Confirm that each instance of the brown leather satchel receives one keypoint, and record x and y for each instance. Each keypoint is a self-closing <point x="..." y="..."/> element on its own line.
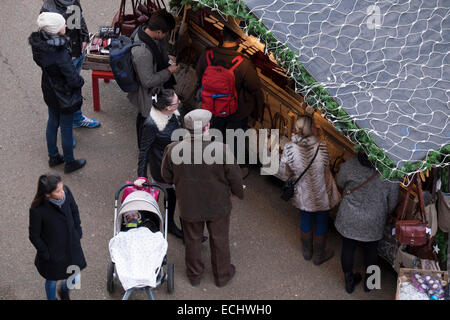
<point x="412" y="232"/>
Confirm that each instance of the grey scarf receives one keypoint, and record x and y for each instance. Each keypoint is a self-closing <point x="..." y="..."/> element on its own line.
<point x="58" y="202"/>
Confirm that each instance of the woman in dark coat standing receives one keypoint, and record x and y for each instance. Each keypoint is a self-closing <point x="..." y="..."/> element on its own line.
<point x="155" y="136"/>
<point x="61" y="87"/>
<point x="55" y="231"/>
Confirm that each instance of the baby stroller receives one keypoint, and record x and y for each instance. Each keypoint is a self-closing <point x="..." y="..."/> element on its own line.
<point x="141" y="200"/>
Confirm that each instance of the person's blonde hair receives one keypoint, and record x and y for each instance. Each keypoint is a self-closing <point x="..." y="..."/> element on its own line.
<point x="305" y="123"/>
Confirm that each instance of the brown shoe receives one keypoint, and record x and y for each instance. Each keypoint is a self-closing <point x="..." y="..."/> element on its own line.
<point x="194" y="283"/>
<point x="233" y="272"/>
<point x="321" y="252"/>
<point x="307" y="245"/>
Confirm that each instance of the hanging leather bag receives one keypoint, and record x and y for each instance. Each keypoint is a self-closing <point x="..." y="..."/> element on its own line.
<point x="412" y="232"/>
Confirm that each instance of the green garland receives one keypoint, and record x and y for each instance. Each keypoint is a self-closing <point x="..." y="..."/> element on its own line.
<point x="315" y="95"/>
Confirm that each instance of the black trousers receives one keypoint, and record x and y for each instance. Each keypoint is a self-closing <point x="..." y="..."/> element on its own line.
<point x="139" y="123"/>
<point x="172" y="199"/>
<point x="348" y="254"/>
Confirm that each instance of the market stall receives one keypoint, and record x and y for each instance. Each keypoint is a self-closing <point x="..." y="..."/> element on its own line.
<point x="425" y="192"/>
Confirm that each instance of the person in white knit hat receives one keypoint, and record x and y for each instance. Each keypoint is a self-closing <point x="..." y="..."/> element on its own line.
<point x="78" y="35"/>
<point x="61" y="87"/>
<point x="52" y="23"/>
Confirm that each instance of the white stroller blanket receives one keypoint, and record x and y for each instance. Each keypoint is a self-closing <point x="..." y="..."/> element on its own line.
<point x="137" y="254"/>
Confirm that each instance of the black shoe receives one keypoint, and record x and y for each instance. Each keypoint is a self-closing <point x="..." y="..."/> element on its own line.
<point x="351" y="281"/>
<point x="64" y="295"/>
<point x="74" y="165"/>
<point x="366" y="288"/>
<point x="56" y="160"/>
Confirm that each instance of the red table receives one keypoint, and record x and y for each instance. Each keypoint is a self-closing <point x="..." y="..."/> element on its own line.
<point x="96" y="74"/>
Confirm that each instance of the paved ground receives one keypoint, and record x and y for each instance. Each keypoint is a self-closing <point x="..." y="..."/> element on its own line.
<point x="264" y="230"/>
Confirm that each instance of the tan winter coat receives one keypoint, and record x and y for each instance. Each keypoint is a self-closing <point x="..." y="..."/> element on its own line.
<point x="203" y="190"/>
<point x="316" y="190"/>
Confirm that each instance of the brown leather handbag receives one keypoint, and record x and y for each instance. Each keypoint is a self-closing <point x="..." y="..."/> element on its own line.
<point x="412" y="232"/>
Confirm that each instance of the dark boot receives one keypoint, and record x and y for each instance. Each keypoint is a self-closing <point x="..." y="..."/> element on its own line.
<point x="56" y="160"/>
<point x="74" y="165"/>
<point x="307" y="245"/>
<point x="64" y="294"/>
<point x="351" y="281"/>
<point x="321" y="252"/>
<point x="366" y="288"/>
<point x="173" y="229"/>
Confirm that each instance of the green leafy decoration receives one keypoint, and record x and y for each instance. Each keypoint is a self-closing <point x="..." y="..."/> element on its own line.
<point x="316" y="95"/>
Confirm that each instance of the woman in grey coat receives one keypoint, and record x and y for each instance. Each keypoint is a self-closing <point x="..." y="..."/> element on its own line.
<point x="362" y="214"/>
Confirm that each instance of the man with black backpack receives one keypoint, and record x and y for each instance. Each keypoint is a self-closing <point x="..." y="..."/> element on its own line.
<point x="230" y="106"/>
<point x="151" y="62"/>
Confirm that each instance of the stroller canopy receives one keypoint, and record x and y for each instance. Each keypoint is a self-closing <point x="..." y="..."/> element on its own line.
<point x="138" y="201"/>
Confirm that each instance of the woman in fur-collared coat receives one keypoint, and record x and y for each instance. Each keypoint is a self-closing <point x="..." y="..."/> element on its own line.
<point x="316" y="192"/>
<point x="155" y="136"/>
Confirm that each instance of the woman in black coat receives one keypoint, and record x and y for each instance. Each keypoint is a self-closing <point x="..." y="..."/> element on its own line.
<point x="55" y="231"/>
<point x="61" y="87"/>
<point x="156" y="134"/>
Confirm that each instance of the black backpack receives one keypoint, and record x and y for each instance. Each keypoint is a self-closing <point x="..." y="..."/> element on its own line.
<point x="121" y="63"/>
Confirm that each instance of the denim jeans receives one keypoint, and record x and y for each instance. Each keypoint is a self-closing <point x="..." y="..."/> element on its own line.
<point x="78" y="62"/>
<point x="306" y="222"/>
<point x="65" y="122"/>
<point x="50" y="287"/>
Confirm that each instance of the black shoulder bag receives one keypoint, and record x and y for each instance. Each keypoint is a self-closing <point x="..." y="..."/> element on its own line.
<point x="287" y="191"/>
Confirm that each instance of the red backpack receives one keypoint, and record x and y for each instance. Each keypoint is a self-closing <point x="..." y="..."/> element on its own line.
<point x="218" y="93"/>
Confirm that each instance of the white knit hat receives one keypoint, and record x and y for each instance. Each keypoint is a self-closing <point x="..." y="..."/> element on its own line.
<point x="51" y="22"/>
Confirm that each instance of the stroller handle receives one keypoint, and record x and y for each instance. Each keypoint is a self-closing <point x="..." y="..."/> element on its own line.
<point x="146" y="184"/>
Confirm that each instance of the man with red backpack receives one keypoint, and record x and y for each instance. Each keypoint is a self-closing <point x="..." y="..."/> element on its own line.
<point x="231" y="101"/>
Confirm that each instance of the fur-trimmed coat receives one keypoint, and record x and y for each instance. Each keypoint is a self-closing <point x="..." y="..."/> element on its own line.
<point x="156" y="135"/>
<point x="316" y="190"/>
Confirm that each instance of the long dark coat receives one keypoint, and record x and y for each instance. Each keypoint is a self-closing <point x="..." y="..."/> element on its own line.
<point x="203" y="190"/>
<point x="52" y="54"/>
<point x="56" y="233"/>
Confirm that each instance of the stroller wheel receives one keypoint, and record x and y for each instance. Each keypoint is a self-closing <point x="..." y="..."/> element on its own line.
<point x="110" y="278"/>
<point x="170" y="278"/>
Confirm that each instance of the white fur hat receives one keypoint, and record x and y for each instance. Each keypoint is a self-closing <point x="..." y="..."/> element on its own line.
<point x="51" y="22"/>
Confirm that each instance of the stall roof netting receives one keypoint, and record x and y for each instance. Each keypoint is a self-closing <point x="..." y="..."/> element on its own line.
<point x="386" y="64"/>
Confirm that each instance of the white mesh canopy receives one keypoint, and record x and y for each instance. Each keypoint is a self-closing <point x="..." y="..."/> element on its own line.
<point x="386" y="63"/>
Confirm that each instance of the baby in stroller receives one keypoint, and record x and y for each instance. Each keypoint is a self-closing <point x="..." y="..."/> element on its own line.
<point x="136" y="219"/>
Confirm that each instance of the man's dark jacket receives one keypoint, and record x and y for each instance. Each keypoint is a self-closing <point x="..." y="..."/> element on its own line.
<point x="77" y="36"/>
<point x="52" y="54"/>
<point x="56" y="232"/>
<point x="248" y="86"/>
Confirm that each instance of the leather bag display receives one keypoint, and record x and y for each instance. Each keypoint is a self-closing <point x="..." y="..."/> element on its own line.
<point x="125" y="23"/>
<point x="412" y="232"/>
